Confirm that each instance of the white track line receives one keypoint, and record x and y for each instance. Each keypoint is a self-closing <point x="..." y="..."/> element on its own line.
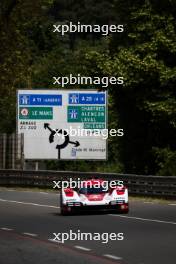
<point x="30" y="234"/>
<point x="172" y="204"/>
<point x="83" y="248"/>
<point x="35" y="204"/>
<point x="112" y="257"/>
<point x="6" y="229"/>
<point x="8" y="190"/>
<point x="28" y="191"/>
<point x="54" y="241"/>
<point x="145" y="219"/>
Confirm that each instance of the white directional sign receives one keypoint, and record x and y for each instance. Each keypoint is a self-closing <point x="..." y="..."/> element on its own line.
<point x="63" y="124"/>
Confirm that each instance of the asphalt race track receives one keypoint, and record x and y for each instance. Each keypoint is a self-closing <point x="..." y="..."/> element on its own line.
<point x="29" y="219"/>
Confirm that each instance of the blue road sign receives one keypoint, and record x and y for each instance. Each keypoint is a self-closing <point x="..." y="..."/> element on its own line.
<point x="40" y="99"/>
<point x="86" y="98"/>
<point x="24" y="99"/>
<point x="73" y="114"/>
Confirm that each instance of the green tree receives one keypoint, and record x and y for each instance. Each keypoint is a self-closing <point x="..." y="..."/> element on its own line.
<point x="146" y="103"/>
<point x="18" y="22"/>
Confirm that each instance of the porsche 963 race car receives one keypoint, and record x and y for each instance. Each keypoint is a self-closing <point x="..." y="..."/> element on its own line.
<point x="94" y="196"/>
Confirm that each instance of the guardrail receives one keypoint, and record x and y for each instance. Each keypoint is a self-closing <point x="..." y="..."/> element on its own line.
<point x="146" y="185"/>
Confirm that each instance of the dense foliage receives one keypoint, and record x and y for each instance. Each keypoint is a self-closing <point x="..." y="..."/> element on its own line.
<point x="145" y="54"/>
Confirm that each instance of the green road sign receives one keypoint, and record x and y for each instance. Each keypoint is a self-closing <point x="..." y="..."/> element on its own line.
<point x="86" y="114"/>
<point x="36" y="113"/>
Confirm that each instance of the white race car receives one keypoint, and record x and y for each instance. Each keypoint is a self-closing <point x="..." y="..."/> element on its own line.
<point x="91" y="197"/>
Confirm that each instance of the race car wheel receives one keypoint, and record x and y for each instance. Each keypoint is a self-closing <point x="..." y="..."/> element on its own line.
<point x="124" y="208"/>
<point x="125" y="211"/>
<point x="65" y="210"/>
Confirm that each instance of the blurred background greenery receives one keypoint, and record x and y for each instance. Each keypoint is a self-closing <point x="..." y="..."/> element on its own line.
<point x="145" y="55"/>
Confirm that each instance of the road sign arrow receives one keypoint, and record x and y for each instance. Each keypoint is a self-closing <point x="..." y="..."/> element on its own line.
<point x="66" y="136"/>
<point x="46" y="126"/>
<point x="76" y="143"/>
<point x="62" y="132"/>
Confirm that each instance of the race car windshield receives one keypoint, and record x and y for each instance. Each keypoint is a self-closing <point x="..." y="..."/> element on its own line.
<point x="92" y="190"/>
